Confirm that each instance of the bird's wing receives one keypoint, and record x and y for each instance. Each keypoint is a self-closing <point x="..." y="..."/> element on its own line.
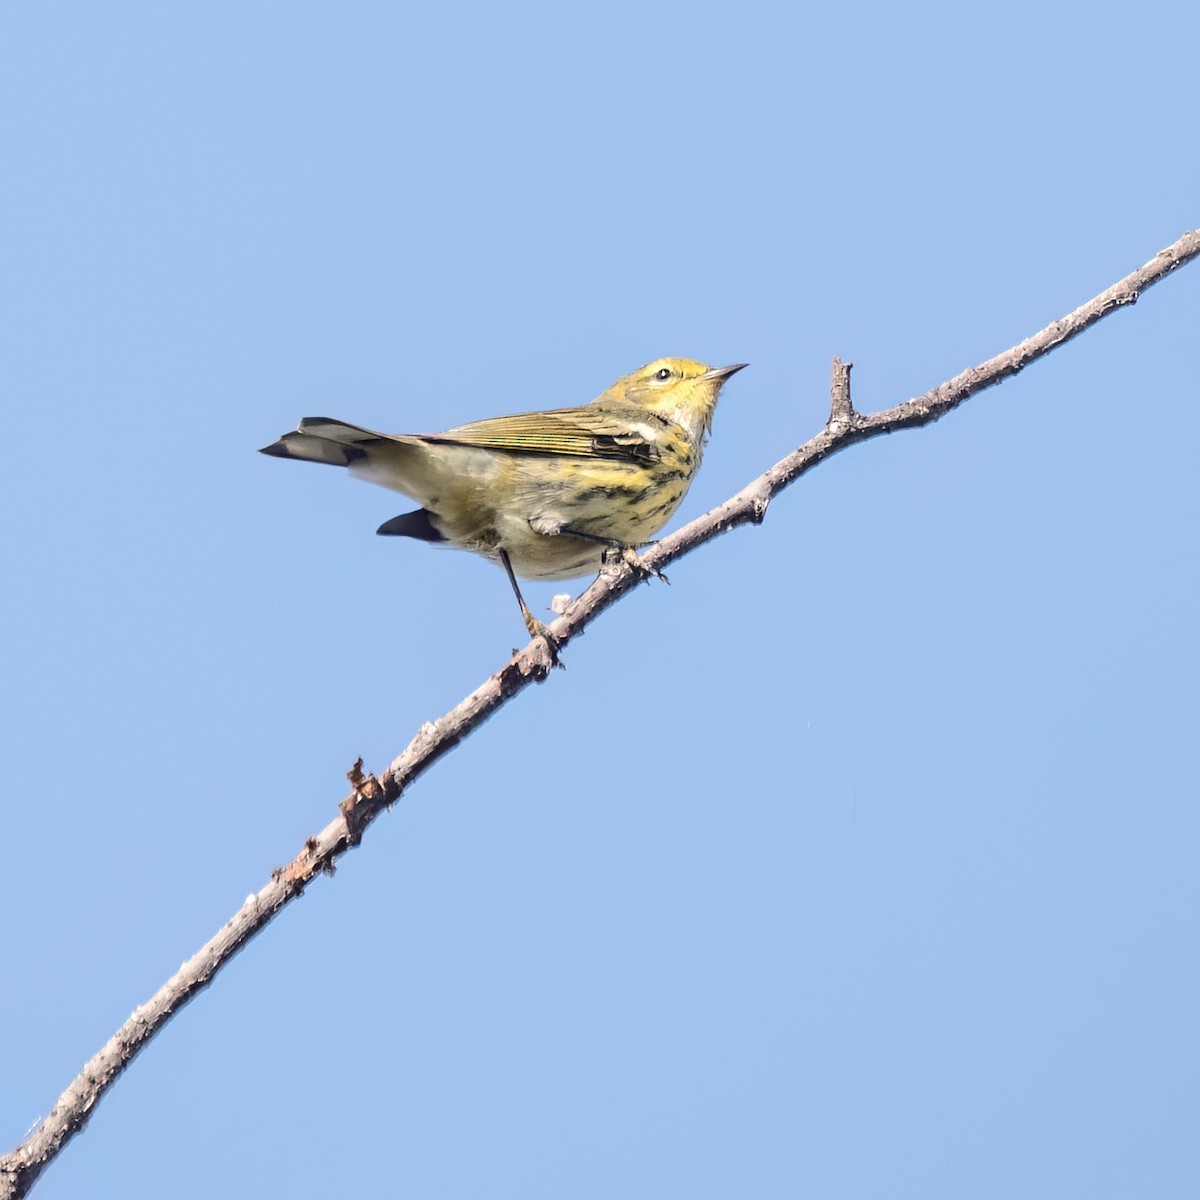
<point x="578" y="432"/>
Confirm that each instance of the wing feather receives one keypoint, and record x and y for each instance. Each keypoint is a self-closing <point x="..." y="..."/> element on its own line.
<point x="577" y="432"/>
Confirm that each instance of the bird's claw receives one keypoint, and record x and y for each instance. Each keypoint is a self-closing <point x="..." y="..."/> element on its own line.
<point x="629" y="556"/>
<point x="538" y="630"/>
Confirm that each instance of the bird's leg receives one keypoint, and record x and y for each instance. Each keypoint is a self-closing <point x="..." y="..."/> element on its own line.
<point x="622" y="550"/>
<point x="535" y="627"/>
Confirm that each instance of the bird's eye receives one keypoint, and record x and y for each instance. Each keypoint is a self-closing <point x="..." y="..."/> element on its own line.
<point x="663" y="373"/>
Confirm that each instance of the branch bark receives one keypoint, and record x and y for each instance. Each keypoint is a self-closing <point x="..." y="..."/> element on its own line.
<point x="370" y="795"/>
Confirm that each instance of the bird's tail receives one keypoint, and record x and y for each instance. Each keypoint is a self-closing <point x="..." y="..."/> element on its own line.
<point x="392" y="460"/>
<point x="322" y="440"/>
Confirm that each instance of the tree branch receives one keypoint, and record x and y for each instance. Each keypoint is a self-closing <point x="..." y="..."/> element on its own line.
<point x="371" y="795"/>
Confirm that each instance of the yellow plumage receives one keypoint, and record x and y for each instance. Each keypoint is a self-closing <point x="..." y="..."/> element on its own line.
<point x="543" y="493"/>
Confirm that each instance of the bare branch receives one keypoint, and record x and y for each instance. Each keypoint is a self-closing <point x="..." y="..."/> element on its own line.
<point x="841" y="408"/>
<point x="371" y="795"/>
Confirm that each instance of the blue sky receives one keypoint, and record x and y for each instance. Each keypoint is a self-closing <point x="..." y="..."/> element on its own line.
<point x="858" y="862"/>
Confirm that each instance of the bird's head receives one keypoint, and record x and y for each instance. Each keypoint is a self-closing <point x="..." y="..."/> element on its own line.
<point x="680" y="389"/>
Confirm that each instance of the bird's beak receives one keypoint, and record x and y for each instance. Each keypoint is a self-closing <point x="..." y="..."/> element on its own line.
<point x="720" y="374"/>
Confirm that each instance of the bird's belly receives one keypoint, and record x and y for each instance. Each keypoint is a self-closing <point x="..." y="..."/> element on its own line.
<point x="530" y="508"/>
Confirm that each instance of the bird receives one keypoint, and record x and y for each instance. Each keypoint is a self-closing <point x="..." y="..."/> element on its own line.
<point x="545" y="494"/>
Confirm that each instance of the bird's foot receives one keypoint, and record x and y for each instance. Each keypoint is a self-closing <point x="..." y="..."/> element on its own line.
<point x="629" y="556"/>
<point x="538" y="630"/>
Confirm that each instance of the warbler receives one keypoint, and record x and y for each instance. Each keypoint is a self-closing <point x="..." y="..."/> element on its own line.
<point x="545" y="494"/>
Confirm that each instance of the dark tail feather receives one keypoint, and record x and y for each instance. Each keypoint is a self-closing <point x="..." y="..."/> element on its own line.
<point x="323" y="440"/>
<point x="306" y="448"/>
<point x="414" y="525"/>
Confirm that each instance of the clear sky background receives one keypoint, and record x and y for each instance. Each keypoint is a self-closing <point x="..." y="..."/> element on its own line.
<point x="858" y="862"/>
